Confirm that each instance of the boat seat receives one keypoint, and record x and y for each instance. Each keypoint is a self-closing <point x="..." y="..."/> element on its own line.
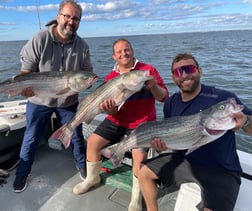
<point x="189" y="193"/>
<point x="188" y="197"/>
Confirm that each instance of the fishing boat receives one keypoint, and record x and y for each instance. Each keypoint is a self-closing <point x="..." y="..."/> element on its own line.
<point x="54" y="175"/>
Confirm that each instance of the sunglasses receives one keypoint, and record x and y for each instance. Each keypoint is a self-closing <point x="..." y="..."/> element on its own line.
<point x="188" y="69"/>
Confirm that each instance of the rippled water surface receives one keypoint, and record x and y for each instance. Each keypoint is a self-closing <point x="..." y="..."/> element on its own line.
<point x="225" y="57"/>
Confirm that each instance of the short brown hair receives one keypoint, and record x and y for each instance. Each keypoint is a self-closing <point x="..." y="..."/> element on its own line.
<point x="72" y="2"/>
<point x="123" y="40"/>
<point x="182" y="56"/>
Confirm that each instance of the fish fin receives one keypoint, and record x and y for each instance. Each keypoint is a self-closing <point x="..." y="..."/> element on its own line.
<point x="109" y="151"/>
<point x="116" y="159"/>
<point x="123" y="95"/>
<point x="119" y="107"/>
<point x="118" y="98"/>
<point x="63" y="91"/>
<point x="191" y="150"/>
<point x="73" y="88"/>
<point x="106" y="153"/>
<point x="63" y="134"/>
<point x="112" y="153"/>
<point x="202" y="141"/>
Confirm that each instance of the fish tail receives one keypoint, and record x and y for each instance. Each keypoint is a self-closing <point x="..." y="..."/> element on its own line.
<point x="63" y="134"/>
<point x="116" y="159"/>
<point x="109" y="151"/>
<point x="113" y="153"/>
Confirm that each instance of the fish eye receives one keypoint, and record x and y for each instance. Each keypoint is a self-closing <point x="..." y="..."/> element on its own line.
<point x="222" y="107"/>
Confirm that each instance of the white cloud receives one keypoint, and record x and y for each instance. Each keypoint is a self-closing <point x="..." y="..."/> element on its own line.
<point x="138" y="16"/>
<point x="247" y="1"/>
<point x="7" y="23"/>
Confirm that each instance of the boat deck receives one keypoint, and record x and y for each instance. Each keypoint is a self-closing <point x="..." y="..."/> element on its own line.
<point x="53" y="177"/>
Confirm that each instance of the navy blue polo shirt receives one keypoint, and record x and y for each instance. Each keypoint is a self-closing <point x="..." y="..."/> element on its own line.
<point x="221" y="153"/>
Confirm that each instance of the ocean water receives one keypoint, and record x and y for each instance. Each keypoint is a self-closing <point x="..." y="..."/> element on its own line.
<point x="224" y="56"/>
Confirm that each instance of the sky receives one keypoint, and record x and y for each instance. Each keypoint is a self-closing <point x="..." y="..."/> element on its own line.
<point x="21" y="19"/>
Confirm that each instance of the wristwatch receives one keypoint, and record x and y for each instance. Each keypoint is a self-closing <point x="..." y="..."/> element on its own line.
<point x="247" y="122"/>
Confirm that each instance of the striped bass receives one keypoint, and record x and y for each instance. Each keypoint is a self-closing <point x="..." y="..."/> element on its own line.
<point x="49" y="84"/>
<point x="119" y="89"/>
<point x="181" y="132"/>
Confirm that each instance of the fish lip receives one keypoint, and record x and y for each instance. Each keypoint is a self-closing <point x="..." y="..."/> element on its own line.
<point x="94" y="79"/>
<point x="236" y="106"/>
<point x="213" y="132"/>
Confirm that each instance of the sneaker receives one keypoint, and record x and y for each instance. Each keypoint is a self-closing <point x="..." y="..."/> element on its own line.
<point x="83" y="173"/>
<point x="20" y="184"/>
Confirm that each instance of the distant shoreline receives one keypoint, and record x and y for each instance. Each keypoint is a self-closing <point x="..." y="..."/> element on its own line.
<point x="133" y="35"/>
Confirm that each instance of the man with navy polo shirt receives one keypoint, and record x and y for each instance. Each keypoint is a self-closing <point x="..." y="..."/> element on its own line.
<point x="215" y="167"/>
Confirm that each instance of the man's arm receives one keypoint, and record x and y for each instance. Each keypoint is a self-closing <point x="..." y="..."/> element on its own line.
<point x="158" y="92"/>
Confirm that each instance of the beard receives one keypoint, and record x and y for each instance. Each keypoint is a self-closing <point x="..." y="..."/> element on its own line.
<point x="190" y="89"/>
<point x="67" y="31"/>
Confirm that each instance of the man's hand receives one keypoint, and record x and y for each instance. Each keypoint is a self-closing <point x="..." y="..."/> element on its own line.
<point x="109" y="106"/>
<point x="151" y="84"/>
<point x="157" y="91"/>
<point x="243" y="121"/>
<point x="158" y="144"/>
<point x="28" y="92"/>
<point x="240" y="119"/>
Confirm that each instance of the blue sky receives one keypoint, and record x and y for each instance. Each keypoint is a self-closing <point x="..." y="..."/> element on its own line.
<point x="19" y="19"/>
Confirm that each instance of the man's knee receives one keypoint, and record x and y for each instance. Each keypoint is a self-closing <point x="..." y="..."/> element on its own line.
<point x="138" y="156"/>
<point x="145" y="173"/>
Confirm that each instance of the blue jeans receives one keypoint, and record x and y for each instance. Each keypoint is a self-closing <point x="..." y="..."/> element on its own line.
<point x="37" y="119"/>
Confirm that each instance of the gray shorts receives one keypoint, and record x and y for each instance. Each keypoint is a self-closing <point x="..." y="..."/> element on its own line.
<point x="219" y="188"/>
<point x="111" y="131"/>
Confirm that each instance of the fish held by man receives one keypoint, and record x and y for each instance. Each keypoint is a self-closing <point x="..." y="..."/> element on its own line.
<point x="181" y="132"/>
<point x="119" y="89"/>
<point x="49" y="84"/>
